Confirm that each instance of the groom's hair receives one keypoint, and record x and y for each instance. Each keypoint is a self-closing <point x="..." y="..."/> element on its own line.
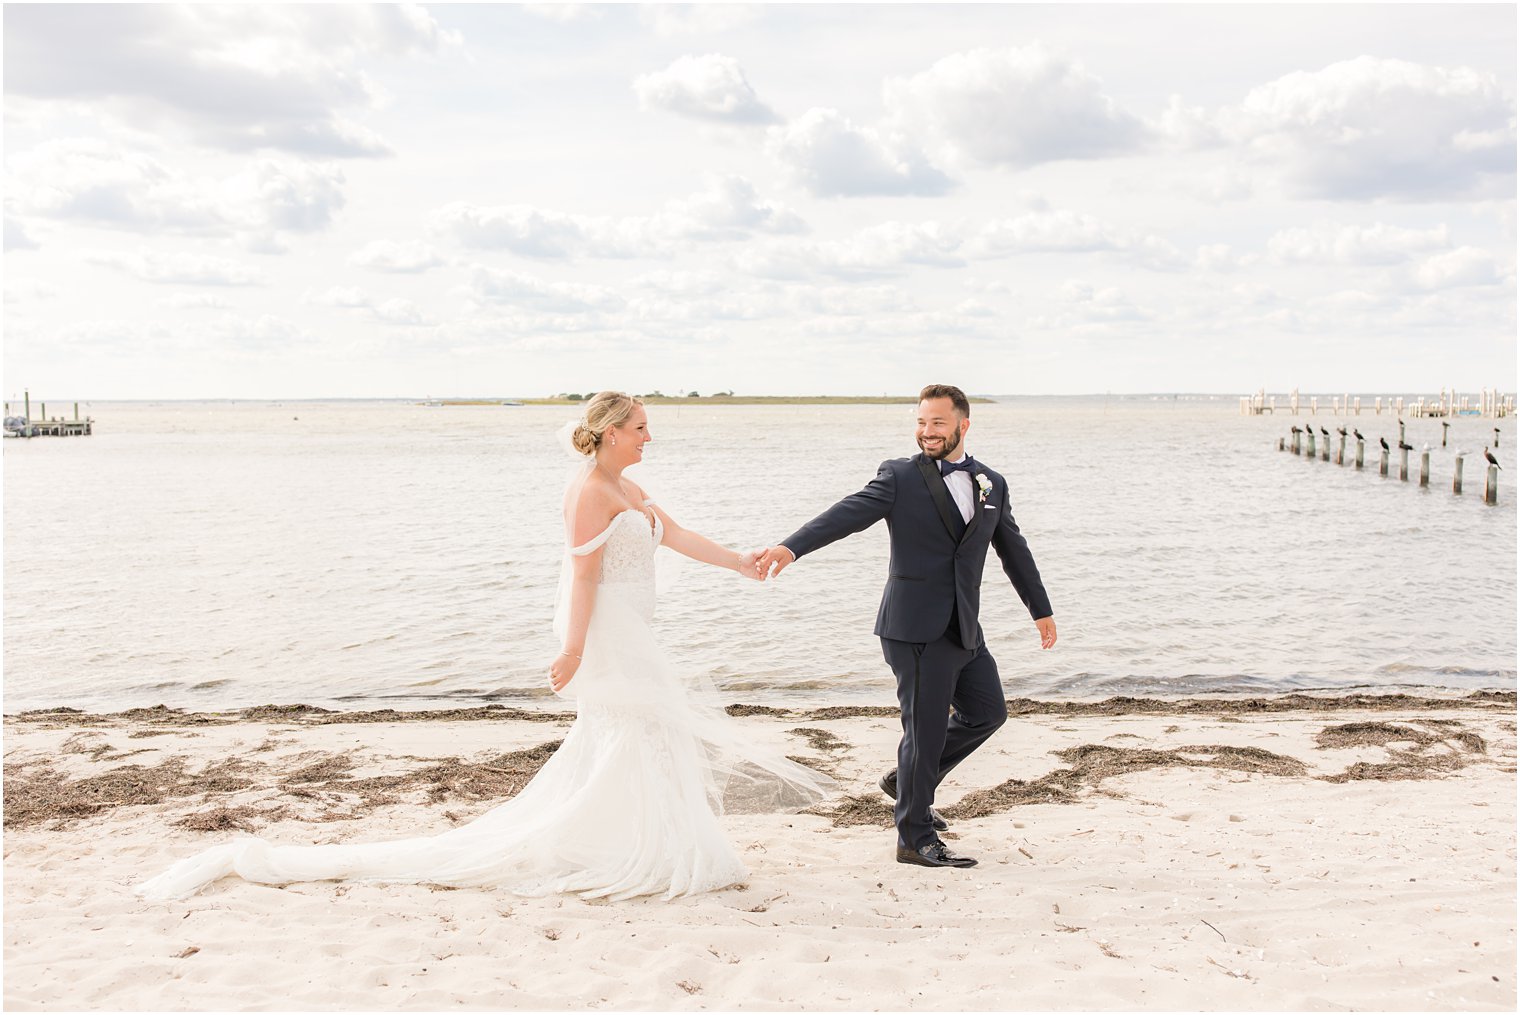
<point x="956" y="395"/>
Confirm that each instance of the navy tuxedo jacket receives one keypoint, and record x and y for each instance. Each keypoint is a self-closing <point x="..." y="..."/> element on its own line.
<point x="933" y="573"/>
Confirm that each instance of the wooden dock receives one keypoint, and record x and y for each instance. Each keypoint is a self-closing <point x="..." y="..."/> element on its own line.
<point x="1488" y="403"/>
<point x="25" y="426"/>
<point x="52" y="428"/>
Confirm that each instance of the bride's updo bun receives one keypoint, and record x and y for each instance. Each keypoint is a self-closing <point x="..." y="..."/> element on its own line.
<point x="605" y="409"/>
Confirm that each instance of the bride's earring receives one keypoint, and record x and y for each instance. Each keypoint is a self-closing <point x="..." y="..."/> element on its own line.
<point x="614" y="442"/>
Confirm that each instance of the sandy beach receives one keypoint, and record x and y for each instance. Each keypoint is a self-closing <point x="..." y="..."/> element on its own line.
<point x="1271" y="853"/>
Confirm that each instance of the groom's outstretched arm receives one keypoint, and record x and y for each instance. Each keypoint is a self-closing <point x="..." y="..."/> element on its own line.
<point x="856" y="512"/>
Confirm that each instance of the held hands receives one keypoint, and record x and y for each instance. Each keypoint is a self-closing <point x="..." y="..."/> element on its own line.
<point x="1047" y="628"/>
<point x="562" y="669"/>
<point x="773" y="560"/>
<point x="747" y="566"/>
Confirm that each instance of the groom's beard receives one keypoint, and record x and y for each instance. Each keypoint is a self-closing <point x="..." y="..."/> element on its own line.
<point x="946" y="449"/>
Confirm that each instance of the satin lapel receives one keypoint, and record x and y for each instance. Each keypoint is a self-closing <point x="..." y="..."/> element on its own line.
<point x="937" y="492"/>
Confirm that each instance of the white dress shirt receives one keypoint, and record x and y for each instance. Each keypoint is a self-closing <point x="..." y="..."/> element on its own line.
<point x="960" y="485"/>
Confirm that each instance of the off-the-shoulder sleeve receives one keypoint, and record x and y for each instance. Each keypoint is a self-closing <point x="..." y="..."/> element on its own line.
<point x="595" y="542"/>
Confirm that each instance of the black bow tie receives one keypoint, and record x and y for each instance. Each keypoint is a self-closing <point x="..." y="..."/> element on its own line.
<point x="945" y="468"/>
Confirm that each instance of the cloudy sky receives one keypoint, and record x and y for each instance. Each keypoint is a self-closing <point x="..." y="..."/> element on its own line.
<point x="284" y="201"/>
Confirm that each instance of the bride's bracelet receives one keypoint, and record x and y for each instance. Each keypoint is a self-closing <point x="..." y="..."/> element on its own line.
<point x="572" y="655"/>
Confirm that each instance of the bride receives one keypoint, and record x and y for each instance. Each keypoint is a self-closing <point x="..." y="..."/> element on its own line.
<point x="629" y="803"/>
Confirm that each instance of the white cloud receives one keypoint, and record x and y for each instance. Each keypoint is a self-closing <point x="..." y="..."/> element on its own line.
<point x="831" y="157"/>
<point x="225" y="335"/>
<point x="1015" y="108"/>
<point x="285" y="196"/>
<point x="1050" y="230"/>
<point x="1368" y="128"/>
<point x="16" y="236"/>
<point x="849" y="300"/>
<point x="676" y="20"/>
<point x="408" y="257"/>
<point x="566" y="13"/>
<point x="108" y="186"/>
<point x="102" y="184"/>
<point x="1218" y="186"/>
<point x="681" y="283"/>
<point x="28" y="291"/>
<point x="348" y="297"/>
<point x="534" y="232"/>
<point x="510" y="288"/>
<point x="235" y="77"/>
<point x="728" y="208"/>
<point x="399" y="311"/>
<point x="1189" y="127"/>
<point x="1328" y="243"/>
<point x="183" y="268"/>
<point x="709" y="87"/>
<point x="1221" y="257"/>
<point x="391" y="311"/>
<point x="1044" y="232"/>
<point x="1464" y="266"/>
<point x="885" y="249"/>
<point x="192" y="301"/>
<point x="974" y="308"/>
<point x="264" y="332"/>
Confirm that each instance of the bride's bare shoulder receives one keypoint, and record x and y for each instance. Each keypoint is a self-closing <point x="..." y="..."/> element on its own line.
<point x="591" y="509"/>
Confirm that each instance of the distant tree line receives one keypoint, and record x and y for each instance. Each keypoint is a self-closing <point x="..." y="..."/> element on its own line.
<point x="572" y="396"/>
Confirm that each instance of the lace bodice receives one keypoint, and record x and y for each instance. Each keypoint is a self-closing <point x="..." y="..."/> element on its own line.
<point x="628" y="544"/>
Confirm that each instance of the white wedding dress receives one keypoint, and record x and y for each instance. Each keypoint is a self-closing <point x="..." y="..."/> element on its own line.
<point x="627" y="806"/>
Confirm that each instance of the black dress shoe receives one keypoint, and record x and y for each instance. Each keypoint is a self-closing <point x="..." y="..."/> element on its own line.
<point x="888" y="786"/>
<point x="933" y="854"/>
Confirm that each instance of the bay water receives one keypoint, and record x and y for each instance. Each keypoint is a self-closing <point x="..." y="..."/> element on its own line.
<point x="352" y="554"/>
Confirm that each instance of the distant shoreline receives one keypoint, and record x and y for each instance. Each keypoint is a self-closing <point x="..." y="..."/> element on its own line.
<point x="749" y="400"/>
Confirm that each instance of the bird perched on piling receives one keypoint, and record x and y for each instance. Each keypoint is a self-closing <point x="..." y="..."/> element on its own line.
<point x="1384" y="441"/>
<point x="1325" y="432"/>
<point x="1341" y="430"/>
<point x="1491" y="459"/>
<point x="1296" y="430"/>
<point x="1425" y="446"/>
<point x="1358" y="434"/>
<point x="1405" y="447"/>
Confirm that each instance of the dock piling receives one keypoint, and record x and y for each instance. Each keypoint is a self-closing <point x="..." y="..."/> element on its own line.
<point x="1383" y="463"/>
<point x="1361" y="449"/>
<point x="1491" y="488"/>
<point x="1425" y="467"/>
<point x="1456" y="477"/>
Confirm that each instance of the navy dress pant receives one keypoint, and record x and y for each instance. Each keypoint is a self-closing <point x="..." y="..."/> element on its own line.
<point x="952" y="701"/>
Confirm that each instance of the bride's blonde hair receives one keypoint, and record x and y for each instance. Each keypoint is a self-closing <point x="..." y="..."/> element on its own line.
<point x="605" y="409"/>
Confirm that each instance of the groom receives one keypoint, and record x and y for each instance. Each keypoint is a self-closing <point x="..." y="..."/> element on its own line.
<point x="942" y="510"/>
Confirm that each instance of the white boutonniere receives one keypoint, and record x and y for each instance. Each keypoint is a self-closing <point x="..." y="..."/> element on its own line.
<point x="984" y="485"/>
